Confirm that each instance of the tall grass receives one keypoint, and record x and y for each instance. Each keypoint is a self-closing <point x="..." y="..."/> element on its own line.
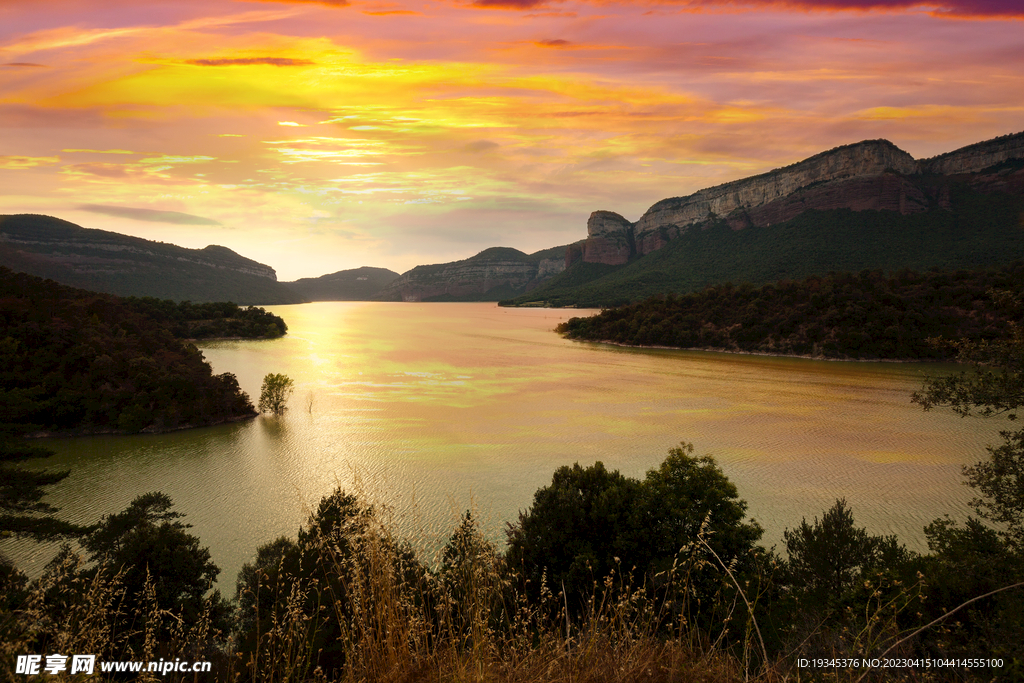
<point x="361" y="595"/>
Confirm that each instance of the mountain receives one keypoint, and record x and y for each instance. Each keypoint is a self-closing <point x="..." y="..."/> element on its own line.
<point x="131" y="266"/>
<point x="493" y="274"/>
<point x="865" y="205"/>
<point x="358" y="284"/>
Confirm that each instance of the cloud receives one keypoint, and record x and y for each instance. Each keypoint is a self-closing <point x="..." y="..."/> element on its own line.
<point x="150" y="215"/>
<point x="249" y="61"/>
<point x="955" y="9"/>
<point x="553" y="42"/>
<point x="510" y="4"/>
<point x="951" y="8"/>
<point x="481" y="146"/>
<point x="98" y="151"/>
<point x="16" y="64"/>
<point x="329" y="3"/>
<point x="17" y="163"/>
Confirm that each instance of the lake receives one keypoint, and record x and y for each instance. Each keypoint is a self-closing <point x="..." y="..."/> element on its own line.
<point x="435" y="408"/>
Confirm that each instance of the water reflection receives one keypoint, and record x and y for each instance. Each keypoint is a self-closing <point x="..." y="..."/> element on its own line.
<point x="434" y="408"/>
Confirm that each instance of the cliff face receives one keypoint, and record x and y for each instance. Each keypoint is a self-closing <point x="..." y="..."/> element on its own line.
<point x="977" y="157"/>
<point x="491" y="275"/>
<point x="871" y="175"/>
<point x="609" y="239"/>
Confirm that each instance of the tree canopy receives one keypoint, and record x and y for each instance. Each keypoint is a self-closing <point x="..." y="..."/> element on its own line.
<point x="590" y="521"/>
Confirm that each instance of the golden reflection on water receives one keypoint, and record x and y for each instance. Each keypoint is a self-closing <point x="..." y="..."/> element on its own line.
<point x="434" y="408"/>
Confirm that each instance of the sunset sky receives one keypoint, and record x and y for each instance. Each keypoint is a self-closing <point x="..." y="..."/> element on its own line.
<point x="320" y="136"/>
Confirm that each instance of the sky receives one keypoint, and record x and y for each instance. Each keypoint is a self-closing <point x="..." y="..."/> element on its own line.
<point x="321" y="136"/>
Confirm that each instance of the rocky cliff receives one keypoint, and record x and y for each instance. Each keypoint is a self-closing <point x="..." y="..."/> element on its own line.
<point x="493" y="274"/>
<point x="104" y="261"/>
<point x="870" y="175"/>
<point x="977" y="157"/>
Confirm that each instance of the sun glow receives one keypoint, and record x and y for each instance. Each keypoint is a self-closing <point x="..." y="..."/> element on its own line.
<point x="432" y="130"/>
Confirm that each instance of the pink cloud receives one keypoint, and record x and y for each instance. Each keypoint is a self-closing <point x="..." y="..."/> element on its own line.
<point x="960" y="9"/>
<point x="246" y="61"/>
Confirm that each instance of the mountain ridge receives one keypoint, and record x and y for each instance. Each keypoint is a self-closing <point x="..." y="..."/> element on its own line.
<point x="871" y="183"/>
<point x="110" y="262"/>
<point x="492" y="274"/>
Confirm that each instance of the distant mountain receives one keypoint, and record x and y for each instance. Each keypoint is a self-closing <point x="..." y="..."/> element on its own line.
<point x="866" y="205"/>
<point x="130" y="266"/>
<point x="493" y="274"/>
<point x="358" y="284"/>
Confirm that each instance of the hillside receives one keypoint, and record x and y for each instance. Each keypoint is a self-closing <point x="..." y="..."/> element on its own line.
<point x="358" y="284"/>
<point x="868" y="205"/>
<point x="493" y="274"/>
<point x="74" y="361"/>
<point x="849" y="316"/>
<point x="130" y="266"/>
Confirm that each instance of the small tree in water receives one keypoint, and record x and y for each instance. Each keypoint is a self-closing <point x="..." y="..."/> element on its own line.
<point x="275" y="392"/>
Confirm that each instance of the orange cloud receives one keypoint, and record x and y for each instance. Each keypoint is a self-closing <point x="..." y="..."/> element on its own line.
<point x="329" y="3"/>
<point x="957" y="9"/>
<point x="18" y="163"/>
<point x="248" y="61"/>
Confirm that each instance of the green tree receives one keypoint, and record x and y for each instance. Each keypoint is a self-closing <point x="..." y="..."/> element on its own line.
<point x="993" y="386"/>
<point x="591" y="520"/>
<point x="275" y="392"/>
<point x="972" y="560"/>
<point x="576" y="529"/>
<point x="22" y="511"/>
<point x="148" y="543"/>
<point x="828" y="559"/>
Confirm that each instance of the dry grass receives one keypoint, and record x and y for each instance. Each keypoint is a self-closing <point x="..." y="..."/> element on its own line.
<point x="466" y="619"/>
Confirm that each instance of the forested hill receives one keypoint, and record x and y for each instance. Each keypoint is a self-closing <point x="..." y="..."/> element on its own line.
<point x="218" y="319"/>
<point x="104" y="261"/>
<point x="862" y="316"/>
<point x="74" y="361"/>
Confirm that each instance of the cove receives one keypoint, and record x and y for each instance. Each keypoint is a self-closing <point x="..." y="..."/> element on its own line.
<point x="435" y="408"/>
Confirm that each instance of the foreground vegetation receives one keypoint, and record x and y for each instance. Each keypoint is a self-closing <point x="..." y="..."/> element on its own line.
<point x="605" y="578"/>
<point x="864" y="316"/>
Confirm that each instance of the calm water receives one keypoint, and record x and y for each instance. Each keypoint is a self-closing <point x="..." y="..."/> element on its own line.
<point x="435" y="408"/>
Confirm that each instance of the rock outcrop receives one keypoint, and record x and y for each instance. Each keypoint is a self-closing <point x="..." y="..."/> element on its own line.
<point x="870" y="175"/>
<point x="977" y="157"/>
<point x="493" y="274"/>
<point x="609" y="239"/>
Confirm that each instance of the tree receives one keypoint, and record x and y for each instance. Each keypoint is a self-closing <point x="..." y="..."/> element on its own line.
<point x="994" y="386"/>
<point x="148" y="543"/>
<point x="972" y="560"/>
<point x="22" y="511"/>
<point x="576" y="529"/>
<point x="275" y="392"/>
<point x="324" y="590"/>
<point x="686" y="491"/>
<point x="590" y="521"/>
<point x="827" y="559"/>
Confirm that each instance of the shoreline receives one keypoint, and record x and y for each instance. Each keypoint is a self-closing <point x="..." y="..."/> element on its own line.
<point x="758" y="353"/>
<point x="147" y="431"/>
